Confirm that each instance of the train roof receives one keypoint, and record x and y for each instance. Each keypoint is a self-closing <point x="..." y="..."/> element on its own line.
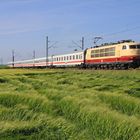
<point x="114" y="43"/>
<point x="78" y="52"/>
<point x="44" y="58"/>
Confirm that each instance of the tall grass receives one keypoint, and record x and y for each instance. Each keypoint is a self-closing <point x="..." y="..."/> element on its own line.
<point x="124" y="104"/>
<point x="100" y="121"/>
<point x="69" y="104"/>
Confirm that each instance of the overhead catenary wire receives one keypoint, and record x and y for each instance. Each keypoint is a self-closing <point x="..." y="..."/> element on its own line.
<point x="125" y="30"/>
<point x="121" y="31"/>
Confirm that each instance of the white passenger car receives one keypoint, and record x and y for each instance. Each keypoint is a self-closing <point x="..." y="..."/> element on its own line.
<point x="65" y="60"/>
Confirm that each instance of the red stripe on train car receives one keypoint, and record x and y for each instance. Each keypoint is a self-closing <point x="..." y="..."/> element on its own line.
<point x="114" y="59"/>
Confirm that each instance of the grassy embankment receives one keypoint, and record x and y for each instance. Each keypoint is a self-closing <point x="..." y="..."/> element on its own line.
<point x="69" y="104"/>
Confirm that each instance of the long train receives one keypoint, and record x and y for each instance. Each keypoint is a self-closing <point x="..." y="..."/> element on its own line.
<point x="121" y="55"/>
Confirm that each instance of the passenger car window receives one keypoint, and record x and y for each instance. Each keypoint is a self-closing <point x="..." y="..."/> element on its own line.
<point x="73" y="57"/>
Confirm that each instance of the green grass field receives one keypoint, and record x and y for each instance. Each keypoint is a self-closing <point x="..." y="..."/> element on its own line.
<point x="69" y="105"/>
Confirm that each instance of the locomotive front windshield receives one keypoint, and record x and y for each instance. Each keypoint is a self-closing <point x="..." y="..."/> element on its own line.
<point x="134" y="46"/>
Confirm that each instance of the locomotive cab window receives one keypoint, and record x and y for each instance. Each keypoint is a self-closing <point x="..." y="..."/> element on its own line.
<point x="134" y="46"/>
<point x="124" y="47"/>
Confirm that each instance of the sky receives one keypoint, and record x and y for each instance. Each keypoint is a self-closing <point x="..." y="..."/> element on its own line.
<point x="24" y="25"/>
